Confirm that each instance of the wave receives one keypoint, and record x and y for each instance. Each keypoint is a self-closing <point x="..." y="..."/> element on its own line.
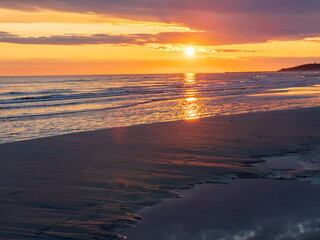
<point x="89" y="95"/>
<point x="74" y="112"/>
<point x="53" y="91"/>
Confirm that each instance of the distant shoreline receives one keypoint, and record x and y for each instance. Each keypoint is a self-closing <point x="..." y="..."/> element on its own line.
<point x="302" y="68"/>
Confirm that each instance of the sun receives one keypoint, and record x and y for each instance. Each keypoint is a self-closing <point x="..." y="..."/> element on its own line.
<point x="189" y="51"/>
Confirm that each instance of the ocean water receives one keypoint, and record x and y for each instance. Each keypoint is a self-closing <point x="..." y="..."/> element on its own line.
<point x="35" y="107"/>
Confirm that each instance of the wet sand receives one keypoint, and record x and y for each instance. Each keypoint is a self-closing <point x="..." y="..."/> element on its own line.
<point x="88" y="185"/>
<point x="243" y="209"/>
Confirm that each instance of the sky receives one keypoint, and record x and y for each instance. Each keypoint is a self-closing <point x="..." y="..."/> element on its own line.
<point x="68" y="37"/>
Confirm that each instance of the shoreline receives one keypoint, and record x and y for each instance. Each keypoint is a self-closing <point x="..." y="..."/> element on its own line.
<point x="92" y="183"/>
<point x="156" y="123"/>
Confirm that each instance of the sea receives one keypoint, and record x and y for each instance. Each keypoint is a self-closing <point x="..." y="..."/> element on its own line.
<point x="41" y="106"/>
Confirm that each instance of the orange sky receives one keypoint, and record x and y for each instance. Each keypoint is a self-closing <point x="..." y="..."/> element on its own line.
<point x="53" y="42"/>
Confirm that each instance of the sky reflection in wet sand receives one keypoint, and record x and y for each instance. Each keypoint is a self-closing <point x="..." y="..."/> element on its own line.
<point x="243" y="209"/>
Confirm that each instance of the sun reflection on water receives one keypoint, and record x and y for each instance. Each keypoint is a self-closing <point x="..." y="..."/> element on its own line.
<point x="190" y="78"/>
<point x="191" y="99"/>
<point x="191" y="104"/>
<point x="192" y="111"/>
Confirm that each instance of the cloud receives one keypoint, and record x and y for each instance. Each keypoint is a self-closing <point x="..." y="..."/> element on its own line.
<point x="228" y="22"/>
<point x="204" y="39"/>
<point x="137" y="39"/>
<point x="154" y="6"/>
<point x="236" y="50"/>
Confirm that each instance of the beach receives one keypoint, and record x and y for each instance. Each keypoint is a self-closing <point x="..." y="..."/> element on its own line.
<point x="88" y="185"/>
<point x="159" y="120"/>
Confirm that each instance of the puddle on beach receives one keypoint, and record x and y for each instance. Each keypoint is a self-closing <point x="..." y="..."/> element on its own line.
<point x="243" y="209"/>
<point x="283" y="162"/>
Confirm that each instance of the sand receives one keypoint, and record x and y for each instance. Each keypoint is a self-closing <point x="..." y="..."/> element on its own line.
<point x="88" y="185"/>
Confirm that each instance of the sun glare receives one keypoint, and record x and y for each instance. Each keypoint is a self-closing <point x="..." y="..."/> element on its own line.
<point x="189" y="51"/>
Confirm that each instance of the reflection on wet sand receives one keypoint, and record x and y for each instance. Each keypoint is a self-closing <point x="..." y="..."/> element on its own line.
<point x="243" y="209"/>
<point x="293" y="91"/>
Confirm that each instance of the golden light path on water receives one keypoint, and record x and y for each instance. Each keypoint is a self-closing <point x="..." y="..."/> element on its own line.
<point x="191" y="105"/>
<point x="194" y="106"/>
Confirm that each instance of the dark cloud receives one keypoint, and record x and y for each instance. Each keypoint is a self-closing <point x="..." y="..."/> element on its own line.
<point x="153" y="6"/>
<point x="189" y="38"/>
<point x="232" y="21"/>
<point x="129" y="39"/>
<point x="137" y="39"/>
